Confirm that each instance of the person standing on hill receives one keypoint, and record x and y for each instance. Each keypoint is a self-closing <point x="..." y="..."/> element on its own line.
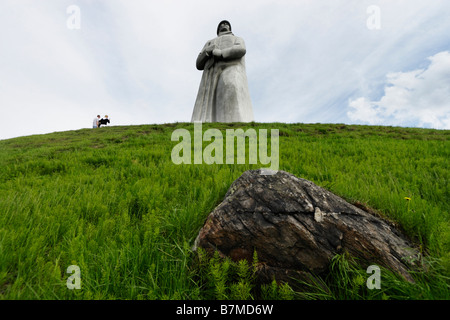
<point x="104" y="121"/>
<point x="96" y="124"/>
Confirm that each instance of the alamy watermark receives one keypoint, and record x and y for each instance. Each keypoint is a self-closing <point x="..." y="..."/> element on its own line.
<point x="213" y="153"/>
<point x="373" y="22"/>
<point x="74" y="20"/>
<point x="74" y="281"/>
<point x="374" y="281"/>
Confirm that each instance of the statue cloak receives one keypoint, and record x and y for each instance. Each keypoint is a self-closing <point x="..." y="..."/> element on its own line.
<point x="223" y="95"/>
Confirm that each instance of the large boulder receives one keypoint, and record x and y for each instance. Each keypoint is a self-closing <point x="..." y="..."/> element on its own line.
<point x="296" y="227"/>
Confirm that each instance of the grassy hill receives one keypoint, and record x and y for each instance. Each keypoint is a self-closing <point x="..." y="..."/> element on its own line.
<point x="111" y="202"/>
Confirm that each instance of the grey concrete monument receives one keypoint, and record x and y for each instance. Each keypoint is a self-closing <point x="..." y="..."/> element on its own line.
<point x="223" y="95"/>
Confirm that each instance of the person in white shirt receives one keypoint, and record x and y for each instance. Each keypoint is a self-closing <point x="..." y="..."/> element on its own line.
<point x="95" y="123"/>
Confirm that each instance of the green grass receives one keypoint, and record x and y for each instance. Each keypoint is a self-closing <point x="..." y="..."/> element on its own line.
<point x="112" y="202"/>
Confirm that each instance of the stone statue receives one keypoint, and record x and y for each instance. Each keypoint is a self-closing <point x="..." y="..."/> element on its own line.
<point x="223" y="95"/>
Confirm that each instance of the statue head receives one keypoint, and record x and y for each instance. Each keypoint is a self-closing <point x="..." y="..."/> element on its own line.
<point x="222" y="25"/>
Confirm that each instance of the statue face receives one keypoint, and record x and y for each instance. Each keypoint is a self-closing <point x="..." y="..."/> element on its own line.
<point x="224" y="27"/>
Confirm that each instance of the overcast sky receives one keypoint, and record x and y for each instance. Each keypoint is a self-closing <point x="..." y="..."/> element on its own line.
<point x="329" y="61"/>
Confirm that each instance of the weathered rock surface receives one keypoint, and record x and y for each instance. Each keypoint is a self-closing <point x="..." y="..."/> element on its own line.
<point x="296" y="227"/>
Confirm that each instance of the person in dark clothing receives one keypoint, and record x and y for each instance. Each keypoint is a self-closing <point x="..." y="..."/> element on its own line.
<point x="103" y="121"/>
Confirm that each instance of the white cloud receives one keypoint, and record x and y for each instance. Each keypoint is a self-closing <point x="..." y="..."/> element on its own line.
<point x="419" y="97"/>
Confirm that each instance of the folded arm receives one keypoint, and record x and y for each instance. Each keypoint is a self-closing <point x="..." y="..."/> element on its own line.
<point x="236" y="51"/>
